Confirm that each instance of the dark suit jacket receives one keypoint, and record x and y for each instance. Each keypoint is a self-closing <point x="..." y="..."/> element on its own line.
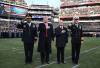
<point x="42" y="36"/>
<point x="61" y="38"/>
<point x="29" y="33"/>
<point x="76" y="33"/>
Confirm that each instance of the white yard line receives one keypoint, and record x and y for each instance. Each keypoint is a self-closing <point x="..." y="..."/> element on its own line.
<point x="10" y="49"/>
<point x="86" y="51"/>
<point x="76" y="66"/>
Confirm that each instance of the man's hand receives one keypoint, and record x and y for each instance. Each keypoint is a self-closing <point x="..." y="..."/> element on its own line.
<point x="82" y="39"/>
<point x="35" y="39"/>
<point x="63" y="31"/>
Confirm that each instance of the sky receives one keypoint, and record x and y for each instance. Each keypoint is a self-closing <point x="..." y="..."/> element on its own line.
<point x="52" y="3"/>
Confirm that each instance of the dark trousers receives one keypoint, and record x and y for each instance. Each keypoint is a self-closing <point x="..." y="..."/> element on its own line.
<point x="44" y="57"/>
<point x="28" y="48"/>
<point x="75" y="52"/>
<point x="60" y="54"/>
<point x="45" y="54"/>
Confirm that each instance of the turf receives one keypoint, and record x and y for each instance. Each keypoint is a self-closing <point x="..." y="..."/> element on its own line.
<point x="12" y="54"/>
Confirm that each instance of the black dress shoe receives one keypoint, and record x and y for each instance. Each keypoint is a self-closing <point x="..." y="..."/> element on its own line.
<point x="64" y="62"/>
<point x="47" y="62"/>
<point x="42" y="63"/>
<point x="75" y="63"/>
<point x="58" y="62"/>
<point x="28" y="62"/>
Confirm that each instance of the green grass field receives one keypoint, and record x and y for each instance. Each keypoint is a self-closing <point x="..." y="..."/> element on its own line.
<point x="12" y="54"/>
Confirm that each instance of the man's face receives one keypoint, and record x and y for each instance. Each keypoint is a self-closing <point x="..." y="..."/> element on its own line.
<point x="45" y="19"/>
<point x="61" y="22"/>
<point x="76" y="21"/>
<point x="28" y="20"/>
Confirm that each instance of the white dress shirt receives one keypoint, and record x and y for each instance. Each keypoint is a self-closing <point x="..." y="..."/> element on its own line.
<point x="46" y="24"/>
<point x="29" y="24"/>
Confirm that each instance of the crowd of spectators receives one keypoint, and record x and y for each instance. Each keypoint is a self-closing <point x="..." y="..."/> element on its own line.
<point x="8" y="29"/>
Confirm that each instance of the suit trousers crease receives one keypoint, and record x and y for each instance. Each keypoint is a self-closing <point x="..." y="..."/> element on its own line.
<point x="28" y="48"/>
<point x="75" y="52"/>
<point x="60" y="54"/>
<point x="45" y="54"/>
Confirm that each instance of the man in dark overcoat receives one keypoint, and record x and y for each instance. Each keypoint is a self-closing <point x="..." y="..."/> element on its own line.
<point x="61" y="34"/>
<point x="76" y="38"/>
<point x="45" y="37"/>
